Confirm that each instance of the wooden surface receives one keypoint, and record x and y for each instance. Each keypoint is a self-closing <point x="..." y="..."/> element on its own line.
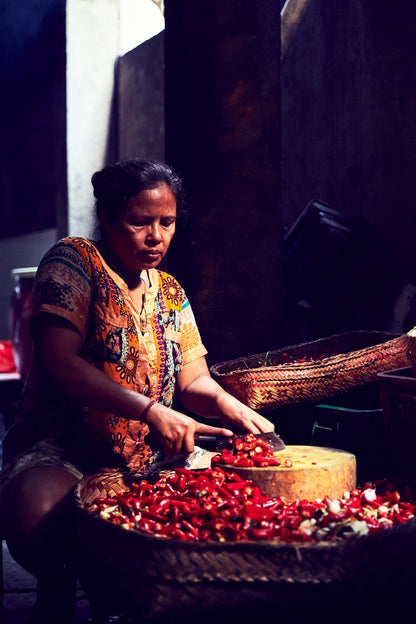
<point x="315" y="472"/>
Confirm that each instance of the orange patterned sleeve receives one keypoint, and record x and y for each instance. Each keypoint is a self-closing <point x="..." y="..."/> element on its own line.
<point x="191" y="343"/>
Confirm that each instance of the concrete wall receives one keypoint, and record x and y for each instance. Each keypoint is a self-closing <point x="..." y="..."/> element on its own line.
<point x="98" y="32"/>
<point x="57" y="75"/>
<point x="92" y="36"/>
<point x="57" y="112"/>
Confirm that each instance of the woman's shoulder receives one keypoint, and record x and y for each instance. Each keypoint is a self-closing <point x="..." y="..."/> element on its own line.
<point x="172" y="292"/>
<point x="70" y="252"/>
<point x="77" y="245"/>
<point x="72" y="242"/>
<point x="83" y="245"/>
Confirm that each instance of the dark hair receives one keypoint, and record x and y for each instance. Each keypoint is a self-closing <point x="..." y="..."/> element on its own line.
<point x="116" y="184"/>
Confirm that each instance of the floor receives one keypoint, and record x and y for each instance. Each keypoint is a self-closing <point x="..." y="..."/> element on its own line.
<point x="20" y="594"/>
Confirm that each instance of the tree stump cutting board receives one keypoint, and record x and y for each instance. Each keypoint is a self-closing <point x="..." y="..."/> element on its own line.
<point x="315" y="472"/>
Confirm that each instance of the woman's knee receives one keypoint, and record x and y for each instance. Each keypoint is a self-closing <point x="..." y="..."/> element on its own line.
<point x="32" y="496"/>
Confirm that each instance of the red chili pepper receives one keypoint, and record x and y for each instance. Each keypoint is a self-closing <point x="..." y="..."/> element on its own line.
<point x="354" y="502"/>
<point x="258" y="513"/>
<point x="181" y="483"/>
<point x="401" y="517"/>
<point x="190" y="528"/>
<point x="118" y="518"/>
<point x="243" y="462"/>
<point x="261" y="534"/>
<point x="407" y="506"/>
<point x="174" y="514"/>
<point x="391" y="497"/>
<point x="230" y="513"/>
<point x="146" y="513"/>
<point x="226" y="459"/>
<point x="236" y="485"/>
<point x="178" y="534"/>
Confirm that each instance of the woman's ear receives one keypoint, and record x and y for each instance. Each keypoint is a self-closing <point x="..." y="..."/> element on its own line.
<point x="104" y="220"/>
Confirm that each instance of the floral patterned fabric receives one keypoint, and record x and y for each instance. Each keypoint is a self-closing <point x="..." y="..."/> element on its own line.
<point x="141" y="349"/>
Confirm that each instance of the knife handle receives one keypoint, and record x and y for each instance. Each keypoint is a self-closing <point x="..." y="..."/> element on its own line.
<point x="206" y="441"/>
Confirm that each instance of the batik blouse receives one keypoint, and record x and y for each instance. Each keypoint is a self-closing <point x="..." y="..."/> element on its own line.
<point x="140" y="349"/>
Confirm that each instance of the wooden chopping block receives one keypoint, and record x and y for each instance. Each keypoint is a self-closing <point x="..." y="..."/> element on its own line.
<point x="315" y="472"/>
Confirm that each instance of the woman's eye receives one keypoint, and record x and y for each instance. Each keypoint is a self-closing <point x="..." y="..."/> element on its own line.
<point x="139" y="223"/>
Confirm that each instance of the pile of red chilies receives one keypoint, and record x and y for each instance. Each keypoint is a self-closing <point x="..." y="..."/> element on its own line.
<point x="211" y="505"/>
<point x="248" y="452"/>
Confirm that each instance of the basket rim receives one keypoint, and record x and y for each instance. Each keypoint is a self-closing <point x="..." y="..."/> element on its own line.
<point x="304" y="366"/>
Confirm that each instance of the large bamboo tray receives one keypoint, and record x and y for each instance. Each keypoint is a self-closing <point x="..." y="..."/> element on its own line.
<point x="329" y="367"/>
<point x="153" y="578"/>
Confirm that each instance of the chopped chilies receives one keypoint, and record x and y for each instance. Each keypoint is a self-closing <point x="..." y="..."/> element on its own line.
<point x="211" y="505"/>
<point x="246" y="452"/>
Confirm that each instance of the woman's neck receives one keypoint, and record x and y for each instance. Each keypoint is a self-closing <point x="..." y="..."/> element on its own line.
<point x="134" y="279"/>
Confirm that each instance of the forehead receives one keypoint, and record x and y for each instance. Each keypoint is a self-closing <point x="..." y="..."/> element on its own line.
<point x="151" y="201"/>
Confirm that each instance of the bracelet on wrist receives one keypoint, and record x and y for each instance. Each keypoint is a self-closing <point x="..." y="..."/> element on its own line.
<point x="146" y="409"/>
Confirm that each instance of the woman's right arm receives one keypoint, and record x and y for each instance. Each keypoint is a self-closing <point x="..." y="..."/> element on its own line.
<point x="57" y="344"/>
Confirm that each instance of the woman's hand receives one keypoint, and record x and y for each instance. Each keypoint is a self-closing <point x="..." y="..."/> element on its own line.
<point x="234" y="414"/>
<point x="175" y="432"/>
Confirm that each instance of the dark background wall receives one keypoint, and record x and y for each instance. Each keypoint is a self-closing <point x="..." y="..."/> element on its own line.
<point x="141" y="100"/>
<point x="349" y="139"/>
<point x="223" y="134"/>
<point x="348" y="135"/>
<point x="32" y="115"/>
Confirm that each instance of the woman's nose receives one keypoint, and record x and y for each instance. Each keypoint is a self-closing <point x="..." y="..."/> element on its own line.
<point x="154" y="231"/>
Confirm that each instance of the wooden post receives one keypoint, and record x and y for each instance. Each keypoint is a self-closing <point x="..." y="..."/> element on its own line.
<point x="222" y="64"/>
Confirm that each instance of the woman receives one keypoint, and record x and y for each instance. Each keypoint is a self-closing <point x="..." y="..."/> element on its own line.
<point x="113" y="338"/>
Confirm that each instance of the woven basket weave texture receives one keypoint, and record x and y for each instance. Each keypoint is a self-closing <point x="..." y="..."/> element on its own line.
<point x="312" y="372"/>
<point x="155" y="577"/>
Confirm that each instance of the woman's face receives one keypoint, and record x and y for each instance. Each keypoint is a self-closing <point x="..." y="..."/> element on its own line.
<point x="140" y="235"/>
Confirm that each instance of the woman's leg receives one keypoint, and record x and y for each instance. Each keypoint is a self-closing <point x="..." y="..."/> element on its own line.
<point x="37" y="521"/>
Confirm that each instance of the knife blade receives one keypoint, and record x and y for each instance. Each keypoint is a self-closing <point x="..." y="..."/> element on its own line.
<point x="217" y="443"/>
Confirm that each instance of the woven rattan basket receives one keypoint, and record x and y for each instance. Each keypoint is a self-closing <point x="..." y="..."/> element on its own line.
<point x="314" y="371"/>
<point x="152" y="577"/>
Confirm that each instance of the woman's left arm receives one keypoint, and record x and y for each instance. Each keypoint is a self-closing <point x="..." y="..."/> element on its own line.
<point x="205" y="397"/>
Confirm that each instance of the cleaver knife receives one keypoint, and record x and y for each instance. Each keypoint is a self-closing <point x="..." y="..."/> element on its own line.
<point x="217" y="443"/>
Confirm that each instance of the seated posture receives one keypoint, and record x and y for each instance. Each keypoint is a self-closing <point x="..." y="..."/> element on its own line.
<point x="113" y="339"/>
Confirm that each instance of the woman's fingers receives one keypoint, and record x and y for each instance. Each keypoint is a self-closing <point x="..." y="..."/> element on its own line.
<point x="183" y="439"/>
<point x="241" y="417"/>
<point x="263" y="425"/>
<point x="210" y="430"/>
<point x="186" y="443"/>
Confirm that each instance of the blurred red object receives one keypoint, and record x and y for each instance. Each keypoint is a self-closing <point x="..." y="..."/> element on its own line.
<point x="7" y="363"/>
